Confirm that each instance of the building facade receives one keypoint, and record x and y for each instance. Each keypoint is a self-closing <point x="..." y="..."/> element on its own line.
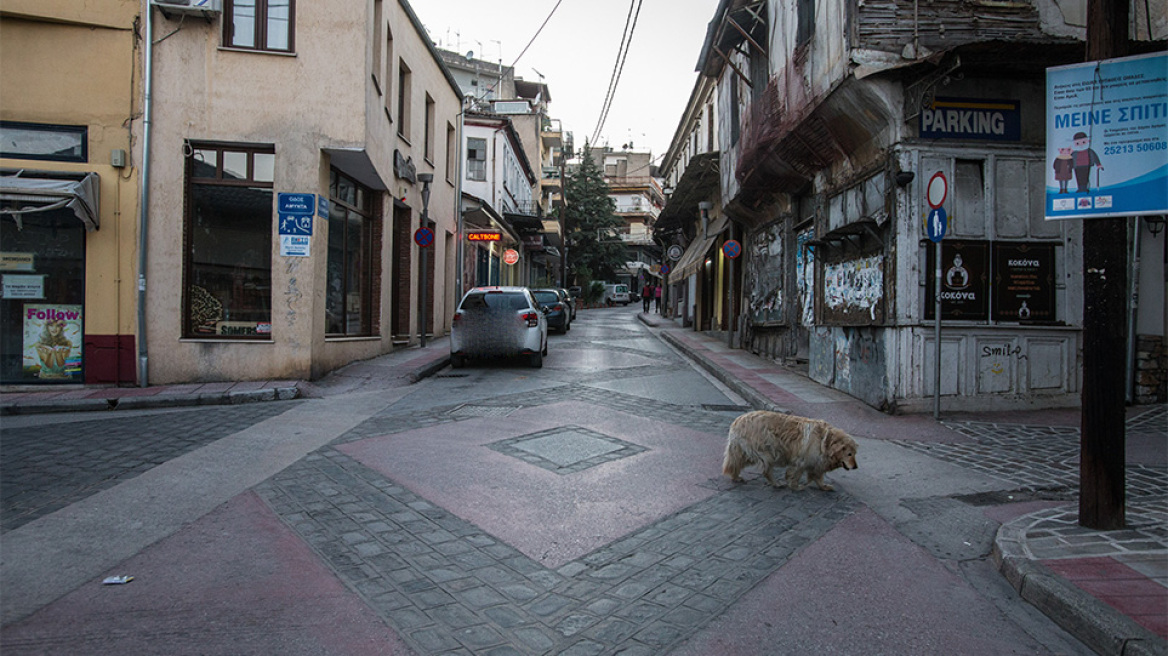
<point x="69" y="182"/>
<point x="830" y="138"/>
<point x="638" y="198"/>
<point x="690" y="169"/>
<point x="497" y="200"/>
<point x="303" y="189"/>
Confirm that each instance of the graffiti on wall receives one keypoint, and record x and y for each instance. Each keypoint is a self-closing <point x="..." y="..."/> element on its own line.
<point x="843" y="362"/>
<point x="854" y="285"/>
<point x="765" y="275"/>
<point x="805" y="276"/>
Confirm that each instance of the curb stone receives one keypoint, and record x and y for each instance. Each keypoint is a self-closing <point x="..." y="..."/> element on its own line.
<point x="1099" y="626"/>
<point x="756" y="400"/>
<point x="151" y="402"/>
<point x="427" y="370"/>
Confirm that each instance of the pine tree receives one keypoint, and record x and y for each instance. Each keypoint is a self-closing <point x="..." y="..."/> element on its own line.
<point x="594" y="249"/>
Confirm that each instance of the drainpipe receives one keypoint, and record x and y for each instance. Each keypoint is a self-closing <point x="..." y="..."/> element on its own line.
<point x="144" y="200"/>
<point x="459" y="248"/>
<point x="1133" y="308"/>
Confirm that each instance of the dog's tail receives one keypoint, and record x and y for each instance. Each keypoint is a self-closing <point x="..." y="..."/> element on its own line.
<point x="735" y="459"/>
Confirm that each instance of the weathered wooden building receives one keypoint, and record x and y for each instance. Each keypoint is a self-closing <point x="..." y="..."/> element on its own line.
<point x="834" y="116"/>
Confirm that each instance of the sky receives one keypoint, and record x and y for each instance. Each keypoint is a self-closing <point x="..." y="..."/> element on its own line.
<point x="576" y="53"/>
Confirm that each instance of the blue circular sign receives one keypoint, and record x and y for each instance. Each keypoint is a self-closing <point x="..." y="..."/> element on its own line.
<point x="424" y="237"/>
<point x="665" y="269"/>
<point x="937" y="224"/>
<point x="732" y="249"/>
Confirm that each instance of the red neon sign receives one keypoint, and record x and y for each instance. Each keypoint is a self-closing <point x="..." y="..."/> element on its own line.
<point x="484" y="236"/>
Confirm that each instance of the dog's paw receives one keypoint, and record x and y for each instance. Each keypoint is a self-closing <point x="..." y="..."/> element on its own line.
<point x="825" y="487"/>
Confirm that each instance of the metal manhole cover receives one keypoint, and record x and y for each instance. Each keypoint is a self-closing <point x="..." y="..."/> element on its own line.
<point x="566" y="450"/>
<point x="468" y="410"/>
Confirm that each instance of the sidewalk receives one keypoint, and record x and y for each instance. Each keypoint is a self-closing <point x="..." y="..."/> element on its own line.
<point x="398" y="368"/>
<point x="1108" y="589"/>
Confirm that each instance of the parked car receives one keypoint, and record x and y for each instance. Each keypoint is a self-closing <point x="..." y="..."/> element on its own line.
<point x="498" y="322"/>
<point x="559" y="313"/>
<point x="616" y="293"/>
<point x="571" y="299"/>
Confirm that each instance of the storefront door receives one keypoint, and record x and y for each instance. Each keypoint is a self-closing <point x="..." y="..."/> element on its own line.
<point x="42" y="263"/>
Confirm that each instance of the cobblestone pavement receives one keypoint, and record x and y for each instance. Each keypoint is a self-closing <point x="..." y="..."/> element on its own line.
<point x="448" y="587"/>
<point x="45" y="469"/>
<point x="1044" y="459"/>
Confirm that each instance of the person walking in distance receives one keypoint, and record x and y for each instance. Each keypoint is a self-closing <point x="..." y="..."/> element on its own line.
<point x="657" y="298"/>
<point x="646" y="296"/>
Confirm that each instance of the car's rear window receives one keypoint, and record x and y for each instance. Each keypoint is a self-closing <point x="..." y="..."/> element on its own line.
<point x="547" y="297"/>
<point x="495" y="301"/>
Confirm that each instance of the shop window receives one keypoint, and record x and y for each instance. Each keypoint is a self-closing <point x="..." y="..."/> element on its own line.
<point x="260" y="24"/>
<point x="61" y="143"/>
<point x="354" y="265"/>
<point x="41" y="313"/>
<point x="228" y="241"/>
<point x="476" y="159"/>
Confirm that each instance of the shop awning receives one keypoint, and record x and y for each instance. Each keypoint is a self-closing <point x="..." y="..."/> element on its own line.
<point x="77" y="193"/>
<point x="695" y="255"/>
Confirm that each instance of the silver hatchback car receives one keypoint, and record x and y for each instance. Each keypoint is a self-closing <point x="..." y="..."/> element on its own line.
<point x="498" y="322"/>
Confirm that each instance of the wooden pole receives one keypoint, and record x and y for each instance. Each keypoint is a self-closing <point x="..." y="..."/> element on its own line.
<point x="1105" y="270"/>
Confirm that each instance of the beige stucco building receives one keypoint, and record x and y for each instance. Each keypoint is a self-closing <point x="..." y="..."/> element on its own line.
<point x="69" y="102"/>
<point x="287" y="159"/>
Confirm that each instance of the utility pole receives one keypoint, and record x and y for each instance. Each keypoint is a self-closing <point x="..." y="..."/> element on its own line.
<point x="563" y="216"/>
<point x="1102" y="429"/>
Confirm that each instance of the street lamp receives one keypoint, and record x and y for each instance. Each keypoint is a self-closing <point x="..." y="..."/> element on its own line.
<point x="425" y="179"/>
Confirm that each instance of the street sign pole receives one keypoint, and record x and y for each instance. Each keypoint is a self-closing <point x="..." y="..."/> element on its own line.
<point x="936" y="225"/>
<point x="423" y="278"/>
<point x="937" y="333"/>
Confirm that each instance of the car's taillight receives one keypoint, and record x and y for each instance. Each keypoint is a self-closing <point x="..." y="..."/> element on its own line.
<point x="457" y="316"/>
<point x="558" y="307"/>
<point x="532" y="319"/>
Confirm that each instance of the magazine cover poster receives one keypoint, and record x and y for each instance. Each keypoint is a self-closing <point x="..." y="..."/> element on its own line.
<point x="53" y="342"/>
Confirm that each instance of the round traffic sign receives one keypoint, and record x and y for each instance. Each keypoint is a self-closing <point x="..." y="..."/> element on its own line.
<point x="424" y="237"/>
<point x="510" y="256"/>
<point x="937" y="190"/>
<point x="732" y="248"/>
<point x="937" y="224"/>
<point x="674" y="252"/>
<point x="665" y="269"/>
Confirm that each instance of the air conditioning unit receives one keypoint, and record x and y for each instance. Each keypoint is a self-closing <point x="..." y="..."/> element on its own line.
<point x="199" y="7"/>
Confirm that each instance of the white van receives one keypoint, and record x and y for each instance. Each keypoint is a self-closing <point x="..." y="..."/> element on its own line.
<point x="616" y="293"/>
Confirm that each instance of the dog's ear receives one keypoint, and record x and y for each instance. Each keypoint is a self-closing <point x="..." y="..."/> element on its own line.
<point x="837" y="443"/>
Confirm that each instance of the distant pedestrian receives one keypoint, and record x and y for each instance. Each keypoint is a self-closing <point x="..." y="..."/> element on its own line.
<point x="657" y="298"/>
<point x="646" y="296"/>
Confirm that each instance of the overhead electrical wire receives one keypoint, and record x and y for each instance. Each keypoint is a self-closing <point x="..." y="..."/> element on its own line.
<point x="618" y="67"/>
<point x="533" y="38"/>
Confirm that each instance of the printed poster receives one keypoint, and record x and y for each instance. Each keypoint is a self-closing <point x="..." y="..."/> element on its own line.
<point x="53" y="342"/>
<point x="1107" y="138"/>
<point x="964" y="280"/>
